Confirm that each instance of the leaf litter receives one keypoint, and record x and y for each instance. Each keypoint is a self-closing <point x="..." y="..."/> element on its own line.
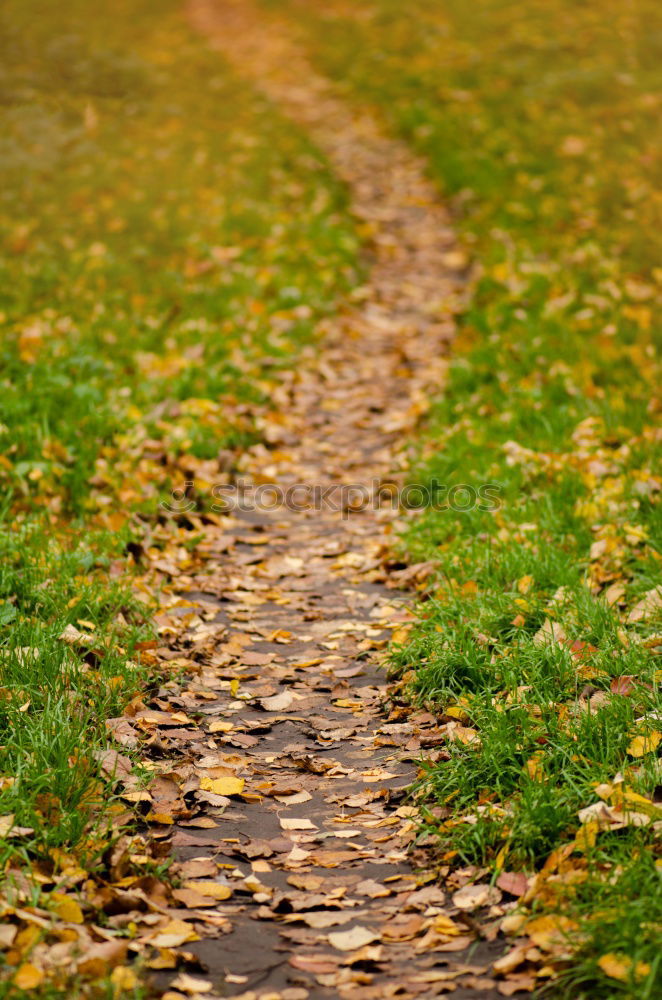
<point x="287" y="768"/>
<point x="270" y="639"/>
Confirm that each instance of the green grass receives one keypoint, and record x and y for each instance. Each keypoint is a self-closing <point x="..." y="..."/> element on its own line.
<point x="163" y="231"/>
<point x="167" y="241"/>
<point x="538" y="121"/>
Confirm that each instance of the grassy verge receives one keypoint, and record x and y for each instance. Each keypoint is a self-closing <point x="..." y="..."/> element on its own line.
<point x="540" y="626"/>
<point x="166" y="240"/>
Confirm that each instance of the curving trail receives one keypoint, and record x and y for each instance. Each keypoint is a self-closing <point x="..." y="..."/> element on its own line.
<point x="313" y="837"/>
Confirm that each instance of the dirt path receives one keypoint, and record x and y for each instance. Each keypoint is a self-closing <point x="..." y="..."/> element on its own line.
<point x="297" y="769"/>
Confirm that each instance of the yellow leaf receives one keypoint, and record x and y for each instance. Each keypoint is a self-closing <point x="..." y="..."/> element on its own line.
<point x="464" y="734"/>
<point x="6" y="823"/>
<point x="641" y="745"/>
<point x="619" y="966"/>
<point x="165" y="819"/>
<point x="216" y="890"/>
<point x="219" y="726"/>
<point x="444" y="925"/>
<point x="500" y="859"/>
<point x="28" y="976"/>
<point x="26" y="939"/>
<point x="524" y="584"/>
<point x="533" y="766"/>
<point x="456" y="712"/>
<point x="551" y="931"/>
<point x="223" y="786"/>
<point x="174" y="934"/>
<point x="641" y="804"/>
<point x="514" y="923"/>
<point x="66" y="908"/>
<point x="586" y="835"/>
<point x="123" y="978"/>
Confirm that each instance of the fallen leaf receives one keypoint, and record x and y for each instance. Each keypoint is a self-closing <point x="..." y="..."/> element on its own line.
<point x="511" y="960"/>
<point x="550" y="932"/>
<point x="174" y="934"/>
<point x="223" y="786"/>
<point x="375" y="890"/>
<point x="296" y="824"/>
<point x="356" y="937"/>
<point x="66" y="908"/>
<point x="220" y="726"/>
<point x="648" y="606"/>
<point x="470" y="897"/>
<point x="277" y="703"/>
<point x="99" y="958"/>
<point x="28" y="977"/>
<point x="623" y="685"/>
<point x="191" y="984"/>
<point x="515" y="883"/>
<point x="622" y="967"/>
<point x="123" y="979"/>
<point x="296" y="799"/>
<point x="192" y="899"/>
<point x="320" y="919"/>
<point x="550" y="632"/>
<point x="463" y="734"/>
<point x="516" y="984"/>
<point x="215" y="890"/>
<point x="641" y="745"/>
<point x="73" y="637"/>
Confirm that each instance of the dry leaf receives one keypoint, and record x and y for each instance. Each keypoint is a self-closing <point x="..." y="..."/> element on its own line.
<point x="278" y="702"/>
<point x="352" y="939"/>
<point x="28" y="977"/>
<point x="621" y="967"/>
<point x="191" y="984"/>
<point x="296" y="824"/>
<point x="470" y="897"/>
<point x="66" y="908"/>
<point x="551" y="932"/>
<point x="214" y="890"/>
<point x="641" y="745"/>
<point x="227" y="785"/>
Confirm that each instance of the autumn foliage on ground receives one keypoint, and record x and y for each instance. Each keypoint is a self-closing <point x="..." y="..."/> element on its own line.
<point x="541" y="623"/>
<point x="168" y="241"/>
<point x="156" y="266"/>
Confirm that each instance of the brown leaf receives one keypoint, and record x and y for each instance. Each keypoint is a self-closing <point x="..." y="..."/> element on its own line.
<point x="100" y="958"/>
<point x="515" y="883"/>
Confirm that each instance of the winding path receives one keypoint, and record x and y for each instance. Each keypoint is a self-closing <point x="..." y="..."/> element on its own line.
<point x="327" y="898"/>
